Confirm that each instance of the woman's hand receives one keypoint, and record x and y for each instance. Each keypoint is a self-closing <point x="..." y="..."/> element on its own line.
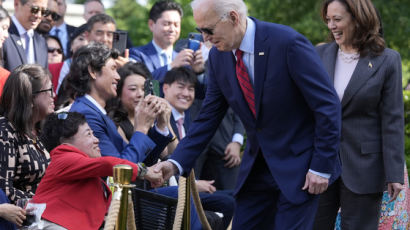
<point x="155" y="178"/>
<point x="12" y="213"/>
<point x="146" y="112"/>
<point x="164" y="117"/>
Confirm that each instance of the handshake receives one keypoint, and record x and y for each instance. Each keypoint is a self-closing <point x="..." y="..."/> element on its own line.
<point x="159" y="172"/>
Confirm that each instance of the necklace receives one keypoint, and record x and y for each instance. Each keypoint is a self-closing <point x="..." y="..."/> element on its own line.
<point x="348" y="58"/>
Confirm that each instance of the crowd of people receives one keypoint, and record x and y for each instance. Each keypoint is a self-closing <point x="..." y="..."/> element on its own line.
<point x="324" y="125"/>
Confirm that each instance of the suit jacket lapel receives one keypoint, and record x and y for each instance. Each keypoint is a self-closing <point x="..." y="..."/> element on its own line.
<point x="152" y="54"/>
<point x="331" y="55"/>
<point x="15" y="36"/>
<point x="365" y="69"/>
<point x="261" y="54"/>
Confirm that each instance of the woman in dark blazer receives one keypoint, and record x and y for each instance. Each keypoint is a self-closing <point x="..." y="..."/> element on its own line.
<point x="367" y="79"/>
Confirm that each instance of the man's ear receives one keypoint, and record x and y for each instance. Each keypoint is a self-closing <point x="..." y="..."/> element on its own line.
<point x="165" y="89"/>
<point x="92" y="73"/>
<point x="87" y="35"/>
<point x="151" y="24"/>
<point x="234" y="17"/>
<point x="16" y="3"/>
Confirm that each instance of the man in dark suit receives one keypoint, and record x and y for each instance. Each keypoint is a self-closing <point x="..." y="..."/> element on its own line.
<point x="62" y="30"/>
<point x="272" y="77"/>
<point x="159" y="55"/>
<point x="24" y="45"/>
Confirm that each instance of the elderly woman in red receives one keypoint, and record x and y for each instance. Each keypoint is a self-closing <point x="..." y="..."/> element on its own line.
<point x="72" y="188"/>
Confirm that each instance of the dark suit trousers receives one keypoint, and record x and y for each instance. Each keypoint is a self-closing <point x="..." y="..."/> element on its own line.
<point x="358" y="211"/>
<point x="213" y="169"/>
<point x="261" y="205"/>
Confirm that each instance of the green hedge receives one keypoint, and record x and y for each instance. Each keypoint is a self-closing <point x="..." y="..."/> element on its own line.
<point x="406" y="99"/>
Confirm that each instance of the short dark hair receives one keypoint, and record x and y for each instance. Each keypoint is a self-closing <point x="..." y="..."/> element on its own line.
<point x="16" y="102"/>
<point x="95" y="56"/>
<point x="159" y="7"/>
<point x="60" y="126"/>
<point x="98" y="1"/>
<point x="182" y="74"/>
<point x="103" y="18"/>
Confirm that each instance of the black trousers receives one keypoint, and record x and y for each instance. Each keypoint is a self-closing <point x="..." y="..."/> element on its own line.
<point x="358" y="211"/>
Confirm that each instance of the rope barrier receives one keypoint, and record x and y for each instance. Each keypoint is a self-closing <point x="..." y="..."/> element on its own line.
<point x="113" y="210"/>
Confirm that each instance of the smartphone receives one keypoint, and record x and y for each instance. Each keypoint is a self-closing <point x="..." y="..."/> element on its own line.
<point x="193" y="44"/>
<point x="196" y="36"/>
<point x="151" y="87"/>
<point x="119" y="41"/>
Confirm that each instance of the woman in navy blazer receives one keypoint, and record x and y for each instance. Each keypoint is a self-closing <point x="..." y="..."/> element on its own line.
<point x="367" y="79"/>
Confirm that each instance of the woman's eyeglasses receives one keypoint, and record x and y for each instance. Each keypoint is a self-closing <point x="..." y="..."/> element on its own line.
<point x="52" y="50"/>
<point x="45" y="90"/>
<point x="53" y="14"/>
<point x="62" y="115"/>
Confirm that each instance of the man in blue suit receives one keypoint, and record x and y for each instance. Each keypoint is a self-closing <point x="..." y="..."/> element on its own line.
<point x="290" y="111"/>
<point x="159" y="55"/>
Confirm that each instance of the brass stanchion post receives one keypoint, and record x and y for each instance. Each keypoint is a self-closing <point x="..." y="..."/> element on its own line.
<point x="123" y="176"/>
<point x="187" y="211"/>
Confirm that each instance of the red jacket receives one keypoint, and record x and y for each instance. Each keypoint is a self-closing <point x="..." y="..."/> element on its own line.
<point x="73" y="190"/>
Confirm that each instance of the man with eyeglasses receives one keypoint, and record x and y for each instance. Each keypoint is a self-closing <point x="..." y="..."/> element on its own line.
<point x="24" y="45"/>
<point x="49" y="19"/>
<point x="273" y="79"/>
<point x="159" y="55"/>
<point x="61" y="29"/>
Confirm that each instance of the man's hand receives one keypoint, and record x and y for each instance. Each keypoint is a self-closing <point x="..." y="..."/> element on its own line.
<point x="167" y="168"/>
<point x="155" y="178"/>
<point x="12" y="213"/>
<point x="121" y="61"/>
<point x="315" y="183"/>
<point x="394" y="190"/>
<point x="198" y="63"/>
<point x="205" y="186"/>
<point x="184" y="58"/>
<point x="232" y="155"/>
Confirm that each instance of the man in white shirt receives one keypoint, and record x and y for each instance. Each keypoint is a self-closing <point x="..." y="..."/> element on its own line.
<point x="24" y="45"/>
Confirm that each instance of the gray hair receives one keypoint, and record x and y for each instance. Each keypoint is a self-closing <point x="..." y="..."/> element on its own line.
<point x="223" y="7"/>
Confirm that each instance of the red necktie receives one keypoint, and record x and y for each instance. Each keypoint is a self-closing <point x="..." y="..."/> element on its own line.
<point x="180" y="126"/>
<point x="244" y="81"/>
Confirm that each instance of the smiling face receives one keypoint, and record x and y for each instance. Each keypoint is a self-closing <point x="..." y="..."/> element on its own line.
<point x="85" y="141"/>
<point x="180" y="95"/>
<point x="47" y="22"/>
<point x="4" y="33"/>
<point x="340" y="24"/>
<point x="227" y="32"/>
<point x="104" y="86"/>
<point x="24" y="15"/>
<point x="166" y="29"/>
<point x="132" y="92"/>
